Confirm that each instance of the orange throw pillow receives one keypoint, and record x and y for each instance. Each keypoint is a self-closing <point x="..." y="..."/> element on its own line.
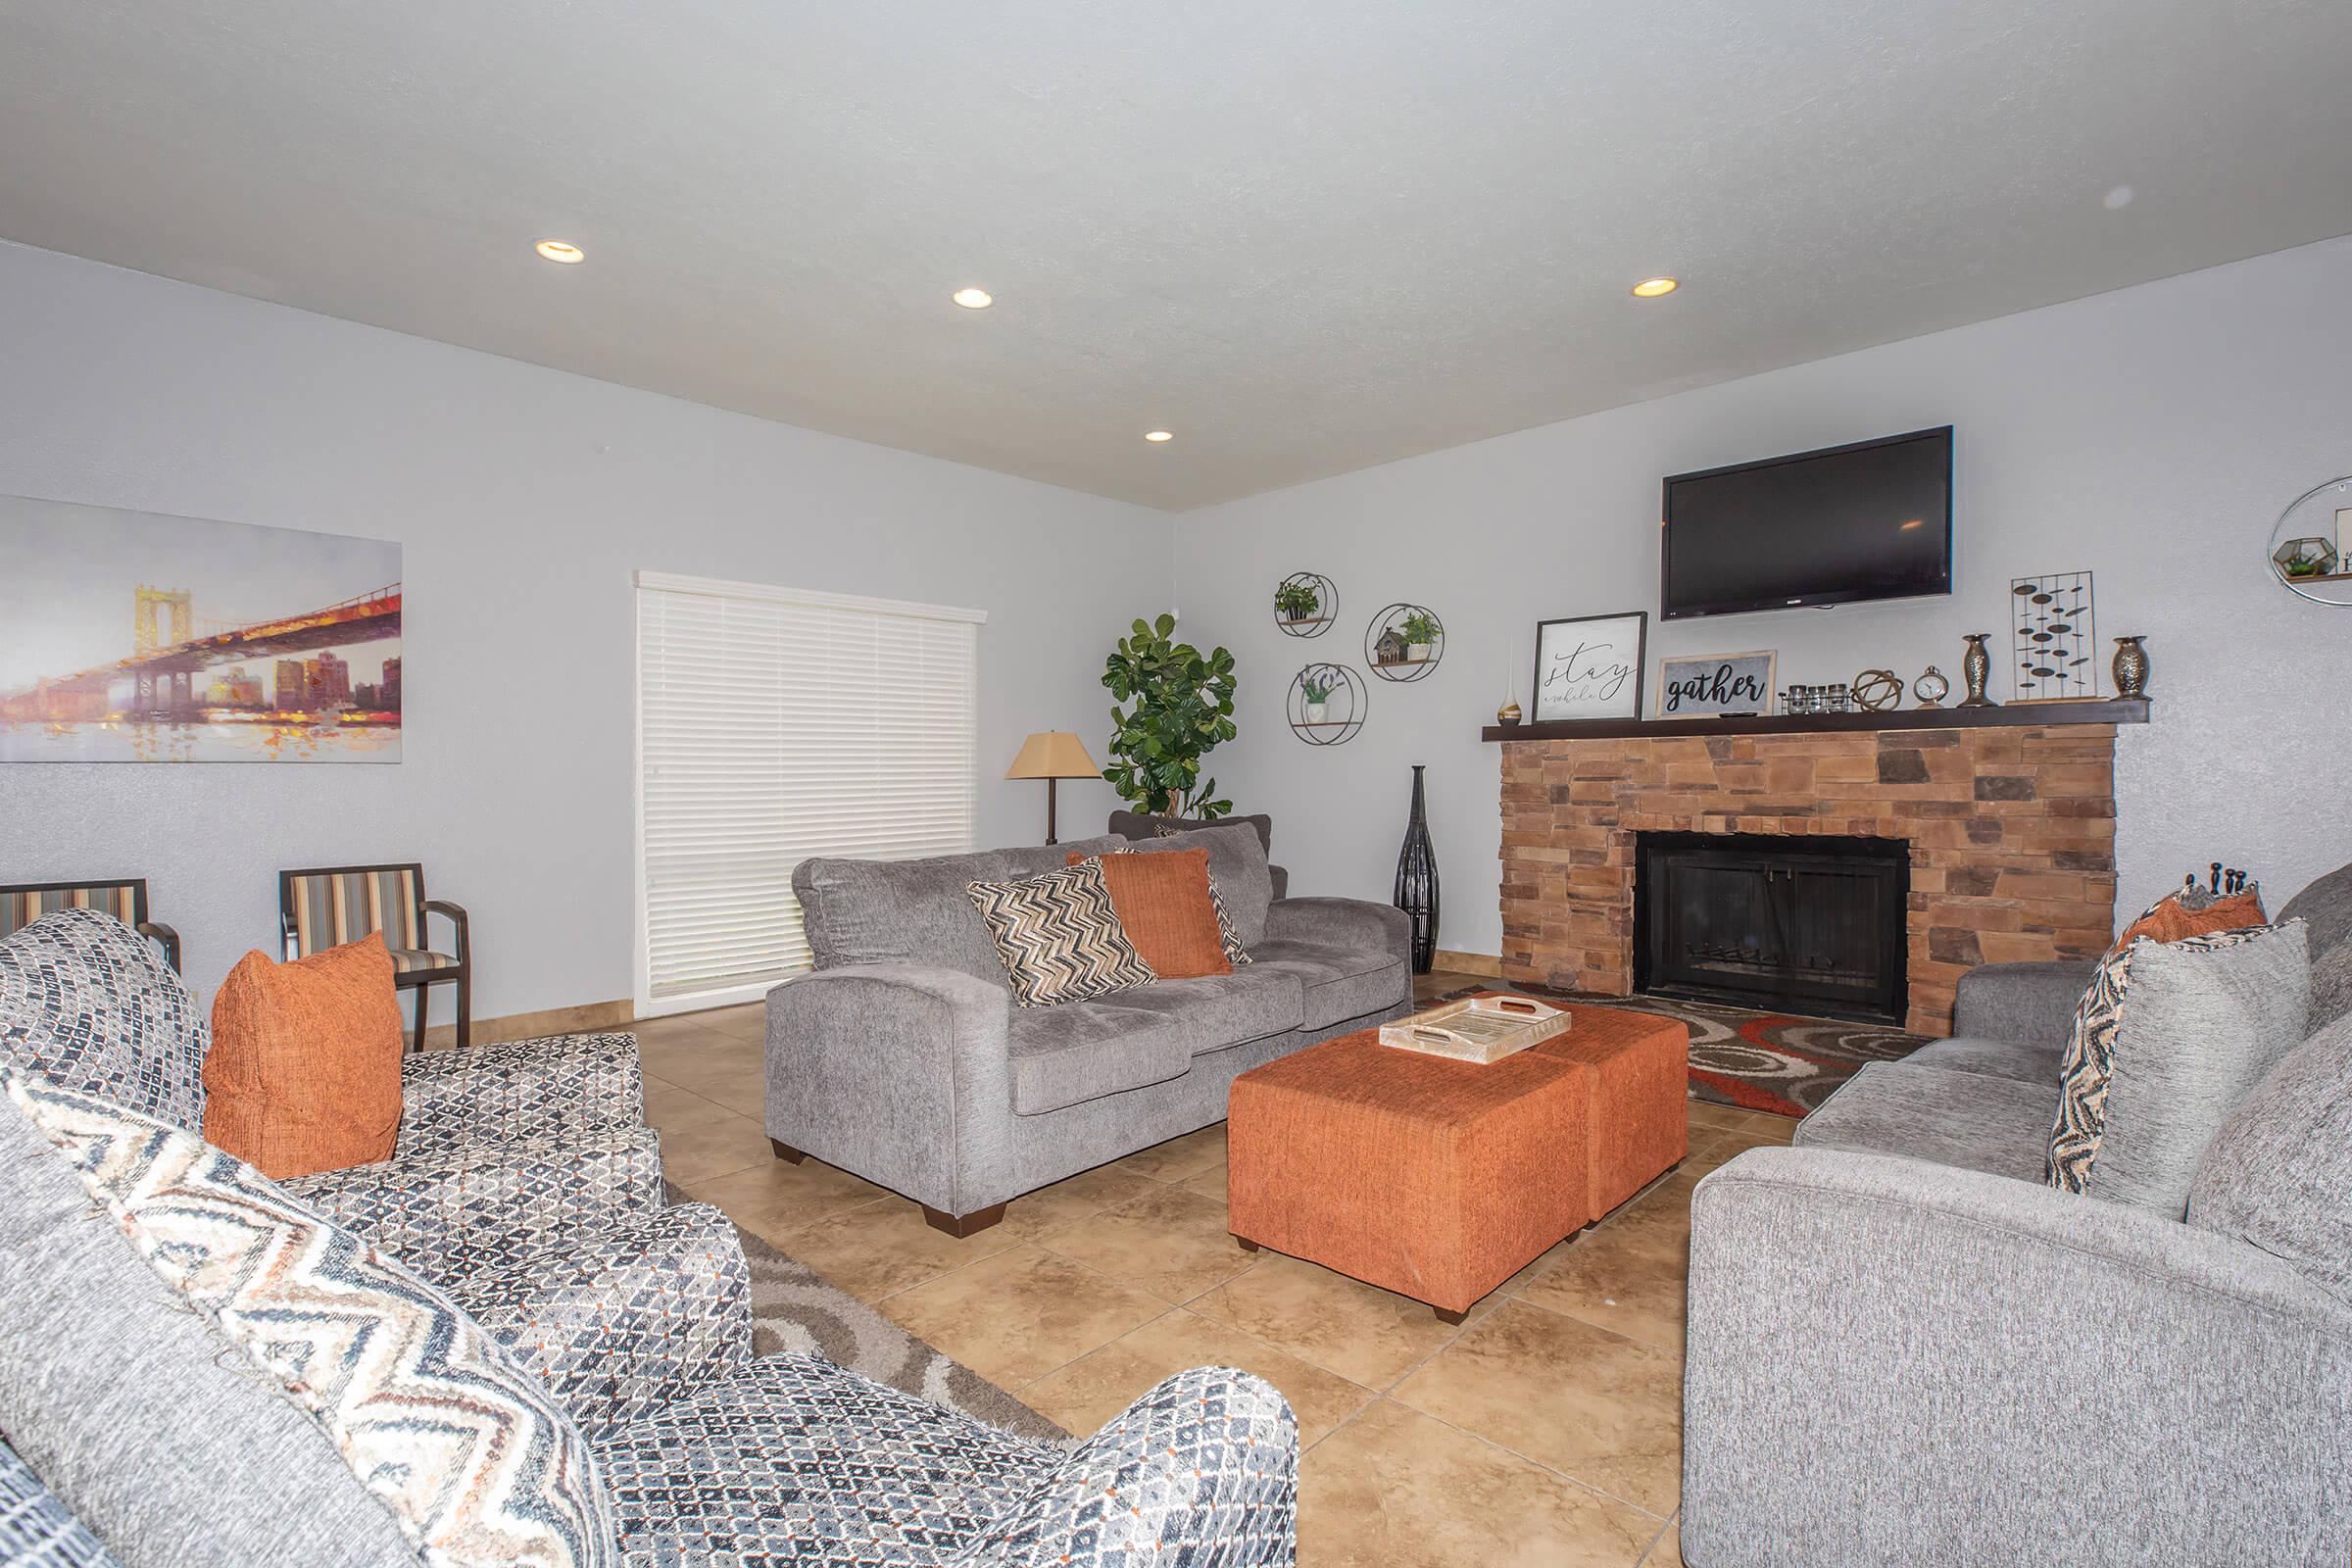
<point x="304" y="1073"/>
<point x="2170" y="920"/>
<point x="1162" y="901"/>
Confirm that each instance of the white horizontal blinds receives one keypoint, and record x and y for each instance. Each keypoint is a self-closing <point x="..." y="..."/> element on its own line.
<point x="775" y="728"/>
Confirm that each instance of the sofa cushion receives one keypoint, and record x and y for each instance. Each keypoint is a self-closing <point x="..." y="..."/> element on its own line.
<point x="2325" y="910"/>
<point x="1227" y="1009"/>
<point x="913" y="912"/>
<point x="1337" y="982"/>
<point x="2192" y="911"/>
<point x="304" y="1073"/>
<point x="2025" y="1062"/>
<point x="134" y="1411"/>
<point x="1085" y="1049"/>
<point x="1939" y="1114"/>
<point x="2168" y="1039"/>
<point x="1167" y="907"/>
<point x="88" y="1003"/>
<point x="1146" y="825"/>
<point x="1237" y="862"/>
<point x="1058" y="936"/>
<point x="467" y="1453"/>
<point x="2278" y="1174"/>
<point x="2029" y="1002"/>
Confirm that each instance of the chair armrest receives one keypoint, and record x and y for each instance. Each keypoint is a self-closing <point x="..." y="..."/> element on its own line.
<point x="1343" y="922"/>
<point x="454" y="915"/>
<point x="165" y="937"/>
<point x="1964" y="1368"/>
<point x="1202" y="1469"/>
<point x="622" y="1322"/>
<point x="2032" y="1003"/>
<point x="556" y="1088"/>
<point x="880" y="1069"/>
<point x="446" y="1211"/>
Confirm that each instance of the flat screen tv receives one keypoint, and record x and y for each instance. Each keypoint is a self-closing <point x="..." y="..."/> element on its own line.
<point x="1871" y="520"/>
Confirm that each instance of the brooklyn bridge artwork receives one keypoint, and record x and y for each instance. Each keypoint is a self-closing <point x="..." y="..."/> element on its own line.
<point x="136" y="637"/>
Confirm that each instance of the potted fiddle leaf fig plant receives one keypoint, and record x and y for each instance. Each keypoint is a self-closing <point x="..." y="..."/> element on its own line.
<point x="1420" y="632"/>
<point x="1317" y="693"/>
<point x="1181" y="708"/>
<point x="1296" y="601"/>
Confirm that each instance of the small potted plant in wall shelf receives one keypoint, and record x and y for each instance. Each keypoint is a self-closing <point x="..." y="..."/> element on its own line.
<point x="1420" y="631"/>
<point x="1296" y="601"/>
<point x="1318" y="699"/>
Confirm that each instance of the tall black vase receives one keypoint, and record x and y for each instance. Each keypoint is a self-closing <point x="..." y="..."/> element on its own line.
<point x="1417" y="881"/>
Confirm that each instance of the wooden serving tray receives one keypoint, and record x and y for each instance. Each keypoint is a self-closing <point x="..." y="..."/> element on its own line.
<point x="1480" y="1029"/>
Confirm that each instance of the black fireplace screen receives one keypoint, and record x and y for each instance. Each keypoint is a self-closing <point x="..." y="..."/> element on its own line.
<point x="1804" y="926"/>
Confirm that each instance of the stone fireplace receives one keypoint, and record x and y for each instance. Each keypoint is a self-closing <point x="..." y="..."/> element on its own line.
<point x="2009" y="828"/>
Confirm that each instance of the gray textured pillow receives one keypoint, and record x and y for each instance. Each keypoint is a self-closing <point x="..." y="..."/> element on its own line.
<point x="2331" y="985"/>
<point x="2169" y="1037"/>
<point x="137" y="1414"/>
<point x="2279" y="1175"/>
<point x="1237" y="864"/>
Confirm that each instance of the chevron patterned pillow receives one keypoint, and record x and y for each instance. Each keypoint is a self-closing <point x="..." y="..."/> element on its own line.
<point x="1058" y="937"/>
<point x="471" y="1456"/>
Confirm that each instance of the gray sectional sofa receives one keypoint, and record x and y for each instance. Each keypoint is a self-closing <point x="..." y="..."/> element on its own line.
<point x="903" y="1059"/>
<point x="1905" y="1348"/>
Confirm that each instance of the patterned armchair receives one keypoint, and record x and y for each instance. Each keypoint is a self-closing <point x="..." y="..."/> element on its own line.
<point x="329" y="905"/>
<point x="502" y="1150"/>
<point x="786" y="1459"/>
<point x="23" y="903"/>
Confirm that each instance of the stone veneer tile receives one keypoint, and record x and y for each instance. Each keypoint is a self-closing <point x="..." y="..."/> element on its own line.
<point x="2012" y="835"/>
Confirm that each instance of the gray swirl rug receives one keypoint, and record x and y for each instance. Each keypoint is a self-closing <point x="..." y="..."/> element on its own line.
<point x="794" y="1312"/>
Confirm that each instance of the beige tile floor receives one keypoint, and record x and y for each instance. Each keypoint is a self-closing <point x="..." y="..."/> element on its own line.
<point x="1544" y="1430"/>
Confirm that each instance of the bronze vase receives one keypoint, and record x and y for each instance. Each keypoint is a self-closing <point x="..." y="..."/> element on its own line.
<point x="1975" y="667"/>
<point x="2131" y="667"/>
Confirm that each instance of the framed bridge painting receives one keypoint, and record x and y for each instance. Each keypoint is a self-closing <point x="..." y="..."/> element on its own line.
<point x="136" y="637"/>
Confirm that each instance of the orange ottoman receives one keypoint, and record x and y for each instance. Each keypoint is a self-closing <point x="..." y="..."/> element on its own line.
<point x="1641" y="1070"/>
<point x="1433" y="1178"/>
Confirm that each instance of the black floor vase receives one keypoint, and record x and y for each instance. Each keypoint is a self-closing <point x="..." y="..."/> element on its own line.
<point x="1417" y="880"/>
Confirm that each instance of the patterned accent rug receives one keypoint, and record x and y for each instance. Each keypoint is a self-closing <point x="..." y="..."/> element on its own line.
<point x="1768" y="1061"/>
<point x="794" y="1312"/>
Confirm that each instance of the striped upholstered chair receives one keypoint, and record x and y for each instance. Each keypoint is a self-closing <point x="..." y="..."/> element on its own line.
<point x="329" y="905"/>
<point x="23" y="903"/>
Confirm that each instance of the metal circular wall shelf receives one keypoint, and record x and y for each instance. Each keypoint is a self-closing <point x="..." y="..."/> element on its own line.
<point x="1390" y="652"/>
<point x="1310" y="622"/>
<point x="1339" y="716"/>
<point x="2311" y="535"/>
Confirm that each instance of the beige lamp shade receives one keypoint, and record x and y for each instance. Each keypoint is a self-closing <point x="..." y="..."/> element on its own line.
<point x="1054" y="754"/>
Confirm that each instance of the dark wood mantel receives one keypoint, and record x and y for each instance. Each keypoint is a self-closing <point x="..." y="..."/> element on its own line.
<point x="2020" y="715"/>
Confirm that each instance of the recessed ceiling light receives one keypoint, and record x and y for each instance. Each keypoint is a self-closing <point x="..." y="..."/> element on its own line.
<point x="1159" y="435"/>
<point x="973" y="299"/>
<point x="557" y="250"/>
<point x="2119" y="198"/>
<point x="1650" y="288"/>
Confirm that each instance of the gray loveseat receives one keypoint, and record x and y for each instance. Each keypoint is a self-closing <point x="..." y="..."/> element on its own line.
<point x="902" y="1058"/>
<point x="1904" y="1349"/>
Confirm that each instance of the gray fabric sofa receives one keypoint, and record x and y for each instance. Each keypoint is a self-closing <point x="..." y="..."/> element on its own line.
<point x="1903" y="1347"/>
<point x="902" y="1058"/>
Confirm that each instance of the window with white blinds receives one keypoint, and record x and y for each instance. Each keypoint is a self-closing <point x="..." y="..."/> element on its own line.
<point x="774" y="726"/>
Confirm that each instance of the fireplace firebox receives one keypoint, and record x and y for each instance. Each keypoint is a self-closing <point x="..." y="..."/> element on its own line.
<point x="1811" y="925"/>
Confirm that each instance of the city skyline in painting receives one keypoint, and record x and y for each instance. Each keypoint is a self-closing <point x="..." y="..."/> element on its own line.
<point x="139" y="637"/>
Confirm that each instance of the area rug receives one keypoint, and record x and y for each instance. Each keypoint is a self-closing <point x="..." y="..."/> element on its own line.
<point x="1767" y="1062"/>
<point x="794" y="1312"/>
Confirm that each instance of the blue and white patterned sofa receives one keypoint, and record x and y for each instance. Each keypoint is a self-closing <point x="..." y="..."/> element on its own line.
<point x="196" y="1367"/>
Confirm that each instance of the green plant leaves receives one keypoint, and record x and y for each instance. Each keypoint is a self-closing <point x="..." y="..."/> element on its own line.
<point x="1183" y="708"/>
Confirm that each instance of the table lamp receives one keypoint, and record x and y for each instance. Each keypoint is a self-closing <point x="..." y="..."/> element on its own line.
<point x="1053" y="754"/>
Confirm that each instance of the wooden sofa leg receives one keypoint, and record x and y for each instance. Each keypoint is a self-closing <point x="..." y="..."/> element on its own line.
<point x="963" y="1224"/>
<point x="785" y="1152"/>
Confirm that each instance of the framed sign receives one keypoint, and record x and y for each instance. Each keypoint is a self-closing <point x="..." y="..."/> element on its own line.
<point x="1589" y="667"/>
<point x="1717" y="683"/>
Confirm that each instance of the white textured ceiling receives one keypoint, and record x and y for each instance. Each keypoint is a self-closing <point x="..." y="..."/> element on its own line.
<point x="1306" y="237"/>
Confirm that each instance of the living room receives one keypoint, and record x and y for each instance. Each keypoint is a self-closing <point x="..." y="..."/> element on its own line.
<point x="781" y="419"/>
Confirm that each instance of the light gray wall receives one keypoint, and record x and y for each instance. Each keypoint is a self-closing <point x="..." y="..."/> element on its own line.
<point x="2150" y="435"/>
<point x="524" y="499"/>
